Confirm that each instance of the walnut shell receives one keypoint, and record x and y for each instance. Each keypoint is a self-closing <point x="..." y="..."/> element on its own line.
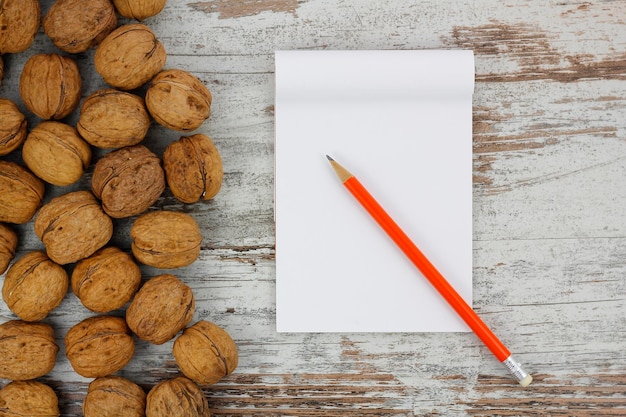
<point x="77" y="25"/>
<point x="13" y="127"/>
<point x="50" y="85"/>
<point x="28" y="398"/>
<point x="165" y="239"/>
<point x="113" y="119"/>
<point x="34" y="286"/>
<point x="178" y="100"/>
<point x="193" y="168"/>
<point x="162" y="308"/>
<point x="130" y="56"/>
<point x="27" y="350"/>
<point x="72" y="227"/>
<point x="139" y="9"/>
<point x="99" y="346"/>
<point x="21" y="193"/>
<point x="8" y="244"/>
<point x="1" y="69"/>
<point x="179" y="397"/>
<point x="113" y="396"/>
<point x="107" y="280"/>
<point x="19" y="23"/>
<point x="128" y="181"/>
<point x="205" y="353"/>
<point x="56" y="153"/>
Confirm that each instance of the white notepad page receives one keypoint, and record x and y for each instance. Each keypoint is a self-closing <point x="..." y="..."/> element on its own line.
<point x="401" y="122"/>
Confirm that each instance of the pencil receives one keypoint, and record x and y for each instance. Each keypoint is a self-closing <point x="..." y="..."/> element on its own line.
<point x="431" y="274"/>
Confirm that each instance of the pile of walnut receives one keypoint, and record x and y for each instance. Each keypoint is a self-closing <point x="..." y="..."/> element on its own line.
<point x="76" y="227"/>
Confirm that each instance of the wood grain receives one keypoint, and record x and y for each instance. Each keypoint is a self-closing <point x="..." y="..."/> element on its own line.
<point x="549" y="220"/>
<point x="237" y="8"/>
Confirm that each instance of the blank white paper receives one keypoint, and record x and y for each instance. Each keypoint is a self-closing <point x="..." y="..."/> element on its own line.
<point x="401" y="122"/>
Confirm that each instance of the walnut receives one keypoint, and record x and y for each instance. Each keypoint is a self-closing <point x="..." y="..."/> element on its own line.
<point x="179" y="397"/>
<point x="34" y="286"/>
<point x="28" y="398"/>
<point x="205" y="352"/>
<point x="162" y="308"/>
<point x="113" y="396"/>
<point x="178" y="100"/>
<point x="1" y="69"/>
<point x="56" y="153"/>
<point x="128" y="181"/>
<point x="72" y="227"/>
<point x="76" y="25"/>
<point x="13" y="127"/>
<point x="130" y="56"/>
<point x="193" y="168"/>
<point x="113" y="119"/>
<point x="8" y="244"/>
<point x="50" y="85"/>
<point x="107" y="280"/>
<point x="19" y="23"/>
<point x="99" y="346"/>
<point x="165" y="239"/>
<point x="139" y="9"/>
<point x="27" y="350"/>
<point x="21" y="193"/>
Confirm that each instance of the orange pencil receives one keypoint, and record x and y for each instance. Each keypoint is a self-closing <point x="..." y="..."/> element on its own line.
<point x="431" y="273"/>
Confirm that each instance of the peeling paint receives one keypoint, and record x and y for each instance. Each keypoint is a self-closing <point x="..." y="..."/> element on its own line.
<point x="552" y="397"/>
<point x="525" y="43"/>
<point x="532" y="49"/>
<point x="334" y="394"/>
<point x="229" y="9"/>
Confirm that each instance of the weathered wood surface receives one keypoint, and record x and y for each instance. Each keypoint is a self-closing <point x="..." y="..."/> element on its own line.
<point x="549" y="199"/>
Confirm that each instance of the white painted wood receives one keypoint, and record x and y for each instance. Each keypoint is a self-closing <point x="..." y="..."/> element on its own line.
<point x="549" y="218"/>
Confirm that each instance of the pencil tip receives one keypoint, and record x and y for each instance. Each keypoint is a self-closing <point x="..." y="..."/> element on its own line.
<point x="341" y="172"/>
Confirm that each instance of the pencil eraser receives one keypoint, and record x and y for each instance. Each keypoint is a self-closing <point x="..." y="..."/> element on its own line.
<point x="526" y="381"/>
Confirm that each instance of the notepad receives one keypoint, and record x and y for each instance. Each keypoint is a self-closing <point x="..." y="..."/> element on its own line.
<point x="402" y="122"/>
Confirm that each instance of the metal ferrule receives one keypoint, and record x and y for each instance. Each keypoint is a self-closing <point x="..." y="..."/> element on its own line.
<point x="515" y="368"/>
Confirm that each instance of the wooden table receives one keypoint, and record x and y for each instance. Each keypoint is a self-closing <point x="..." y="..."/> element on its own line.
<point x="549" y="211"/>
